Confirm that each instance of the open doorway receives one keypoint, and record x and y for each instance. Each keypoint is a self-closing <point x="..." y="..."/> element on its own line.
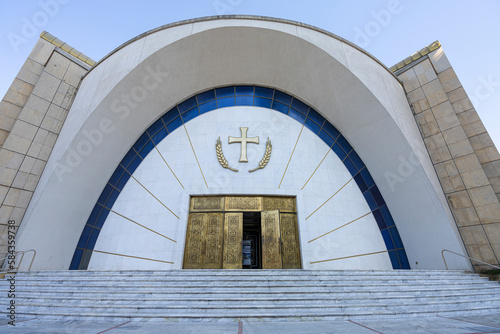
<point x="252" y="248"/>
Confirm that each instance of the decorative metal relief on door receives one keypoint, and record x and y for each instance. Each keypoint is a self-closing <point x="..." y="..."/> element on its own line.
<point x="204" y="241"/>
<point x="271" y="249"/>
<point x="289" y="241"/>
<point x="233" y="236"/>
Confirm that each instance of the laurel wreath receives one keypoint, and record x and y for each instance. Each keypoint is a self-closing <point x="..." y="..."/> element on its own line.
<point x="267" y="156"/>
<point x="220" y="156"/>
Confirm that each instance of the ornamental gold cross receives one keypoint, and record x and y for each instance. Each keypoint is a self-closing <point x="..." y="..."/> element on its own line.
<point x="243" y="140"/>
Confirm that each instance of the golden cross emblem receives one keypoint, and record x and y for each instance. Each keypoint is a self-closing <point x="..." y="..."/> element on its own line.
<point x="243" y="140"/>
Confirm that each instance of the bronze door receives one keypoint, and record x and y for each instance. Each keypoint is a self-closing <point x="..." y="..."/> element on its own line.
<point x="204" y="241"/>
<point x="271" y="250"/>
<point x="289" y="241"/>
<point x="233" y="238"/>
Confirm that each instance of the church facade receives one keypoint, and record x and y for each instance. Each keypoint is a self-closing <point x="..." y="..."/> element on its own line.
<point x="245" y="142"/>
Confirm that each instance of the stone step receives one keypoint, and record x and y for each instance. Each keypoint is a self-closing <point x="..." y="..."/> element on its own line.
<point x="217" y="286"/>
<point x="253" y="288"/>
<point x="176" y="308"/>
<point x="246" y="272"/>
<point x="220" y="295"/>
<point x="193" y="317"/>
<point x="48" y="295"/>
<point x="251" y="273"/>
<point x="207" y="279"/>
<point x="491" y="287"/>
<point x="248" y="301"/>
<point x="340" y="313"/>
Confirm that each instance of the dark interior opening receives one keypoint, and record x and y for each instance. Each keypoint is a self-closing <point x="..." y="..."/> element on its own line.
<point x="252" y="250"/>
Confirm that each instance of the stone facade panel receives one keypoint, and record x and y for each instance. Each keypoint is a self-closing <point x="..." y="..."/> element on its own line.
<point x="3" y="193"/>
<point x="482" y="196"/>
<point x="459" y="200"/>
<point x="443" y="109"/>
<point x="468" y="163"/>
<point x="17" y="144"/>
<point x="425" y="72"/>
<point x="6" y="212"/>
<point x="12" y="197"/>
<point x="24" y="130"/>
<point x="449" y="80"/>
<point x="462" y="105"/>
<point x="475" y="178"/>
<point x="454" y="135"/>
<point x="410" y="81"/>
<point x="28" y="164"/>
<point x="46" y="87"/>
<point x="461" y="148"/>
<point x="489" y="213"/>
<point x="10" y="159"/>
<point x="7" y="176"/>
<point x="474" y="128"/>
<point x="456" y="95"/>
<point x="439" y="60"/>
<point x="20" y="180"/>
<point x="32" y="182"/>
<point x="492" y="153"/>
<point x="35" y="110"/>
<point x="30" y="72"/>
<point x="466" y="217"/>
<point x="57" y="65"/>
<point x="448" y="122"/>
<point x="34" y="150"/>
<point x="9" y="110"/>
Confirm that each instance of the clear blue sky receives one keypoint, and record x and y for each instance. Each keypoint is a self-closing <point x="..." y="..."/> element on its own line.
<point x="393" y="29"/>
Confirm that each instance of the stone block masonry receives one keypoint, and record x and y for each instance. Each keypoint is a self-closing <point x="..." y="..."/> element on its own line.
<point x="32" y="114"/>
<point x="465" y="159"/>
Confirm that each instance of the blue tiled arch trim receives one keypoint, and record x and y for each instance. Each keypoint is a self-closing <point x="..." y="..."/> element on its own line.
<point x="240" y="96"/>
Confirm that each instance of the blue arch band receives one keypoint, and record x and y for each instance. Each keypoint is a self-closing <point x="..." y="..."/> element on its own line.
<point x="240" y="96"/>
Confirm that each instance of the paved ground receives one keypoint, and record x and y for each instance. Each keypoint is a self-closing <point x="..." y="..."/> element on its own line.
<point x="479" y="324"/>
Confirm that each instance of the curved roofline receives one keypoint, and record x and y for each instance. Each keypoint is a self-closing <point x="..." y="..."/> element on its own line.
<point x="241" y="17"/>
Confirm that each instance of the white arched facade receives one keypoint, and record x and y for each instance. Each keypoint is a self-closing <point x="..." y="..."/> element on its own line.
<point x="132" y="87"/>
<point x="174" y="184"/>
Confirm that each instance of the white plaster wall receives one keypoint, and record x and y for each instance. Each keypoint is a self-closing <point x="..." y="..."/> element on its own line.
<point x="344" y="84"/>
<point x="123" y="237"/>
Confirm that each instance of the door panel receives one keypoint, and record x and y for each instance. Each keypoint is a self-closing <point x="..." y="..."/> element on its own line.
<point x="233" y="236"/>
<point x="195" y="235"/>
<point x="271" y="250"/>
<point x="213" y="245"/>
<point x="204" y="241"/>
<point x="289" y="241"/>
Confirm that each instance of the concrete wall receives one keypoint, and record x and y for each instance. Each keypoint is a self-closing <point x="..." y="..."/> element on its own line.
<point x="463" y="154"/>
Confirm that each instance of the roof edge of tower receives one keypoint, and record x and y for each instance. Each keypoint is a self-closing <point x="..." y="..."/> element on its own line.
<point x="67" y="48"/>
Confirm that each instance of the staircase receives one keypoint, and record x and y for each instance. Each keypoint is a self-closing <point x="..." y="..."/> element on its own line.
<point x="261" y="295"/>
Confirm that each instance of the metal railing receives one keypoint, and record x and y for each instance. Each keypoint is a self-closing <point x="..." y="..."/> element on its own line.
<point x="467" y="257"/>
<point x="2" y="270"/>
